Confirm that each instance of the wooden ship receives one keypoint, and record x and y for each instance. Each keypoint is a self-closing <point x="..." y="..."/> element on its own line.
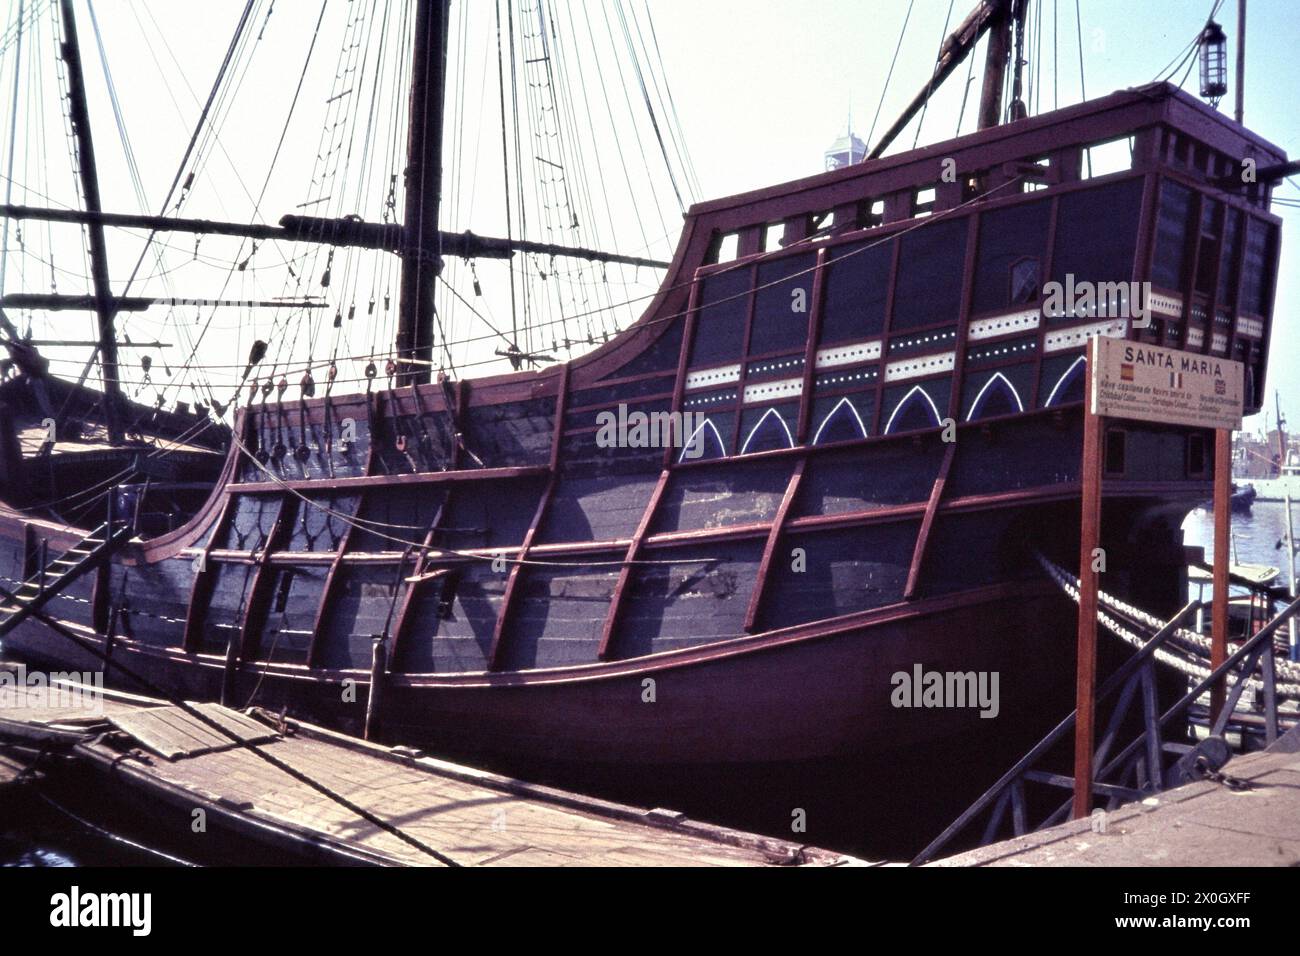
<point x="869" y="481"/>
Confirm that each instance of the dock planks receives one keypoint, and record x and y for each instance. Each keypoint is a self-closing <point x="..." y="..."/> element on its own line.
<point x="1200" y="824"/>
<point x="172" y="733"/>
<point x="470" y="816"/>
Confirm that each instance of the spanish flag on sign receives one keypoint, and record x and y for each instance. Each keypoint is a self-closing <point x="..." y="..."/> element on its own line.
<point x="1126" y="372"/>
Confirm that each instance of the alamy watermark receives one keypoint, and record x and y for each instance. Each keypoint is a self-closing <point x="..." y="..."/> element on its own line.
<point x="75" y="909"/>
<point x="949" y="689"/>
<point x="65" y="690"/>
<point x="637" y="429"/>
<point x="1115" y="300"/>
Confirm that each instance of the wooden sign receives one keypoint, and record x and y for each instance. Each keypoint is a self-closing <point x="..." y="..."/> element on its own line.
<point x="1155" y="384"/>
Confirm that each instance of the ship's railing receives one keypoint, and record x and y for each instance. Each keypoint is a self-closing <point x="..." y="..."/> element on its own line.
<point x="1139" y="769"/>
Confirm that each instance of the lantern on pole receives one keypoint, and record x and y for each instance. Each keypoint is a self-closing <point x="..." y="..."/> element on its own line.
<point x="1214" y="62"/>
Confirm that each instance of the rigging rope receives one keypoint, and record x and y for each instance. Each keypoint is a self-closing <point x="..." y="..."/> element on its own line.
<point x="871" y="133"/>
<point x="1193" y="647"/>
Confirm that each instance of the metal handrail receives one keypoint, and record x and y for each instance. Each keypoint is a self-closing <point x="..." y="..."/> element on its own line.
<point x="1259" y="646"/>
<point x="1264" y="636"/>
<point x="1116" y="680"/>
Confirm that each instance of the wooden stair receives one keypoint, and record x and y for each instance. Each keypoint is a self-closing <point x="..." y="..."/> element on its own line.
<point x="52" y="579"/>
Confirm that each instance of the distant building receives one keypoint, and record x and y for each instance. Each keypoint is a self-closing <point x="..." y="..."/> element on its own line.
<point x="845" y="151"/>
<point x="1256" y="455"/>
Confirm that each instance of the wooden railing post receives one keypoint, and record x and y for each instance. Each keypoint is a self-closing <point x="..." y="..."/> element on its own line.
<point x="378" y="674"/>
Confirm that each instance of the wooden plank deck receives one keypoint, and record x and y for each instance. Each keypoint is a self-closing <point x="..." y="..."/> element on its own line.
<point x="10" y="769"/>
<point x="172" y="733"/>
<point x="1200" y="824"/>
<point x="470" y="816"/>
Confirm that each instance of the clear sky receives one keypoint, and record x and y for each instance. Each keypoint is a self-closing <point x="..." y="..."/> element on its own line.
<point x="760" y="88"/>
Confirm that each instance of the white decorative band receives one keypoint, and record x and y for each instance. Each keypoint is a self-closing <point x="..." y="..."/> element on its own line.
<point x="1079" y="335"/>
<point x="1195" y="338"/>
<point x="1252" y="327"/>
<point x="1219" y="343"/>
<point x="847" y="354"/>
<point x="921" y="365"/>
<point x="770" y="391"/>
<point x="996" y="325"/>
<point x="1170" y="305"/>
<point x="710" y="377"/>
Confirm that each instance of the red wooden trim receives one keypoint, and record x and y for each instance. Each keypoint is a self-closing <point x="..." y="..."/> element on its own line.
<point x="1222" y="557"/>
<point x="625" y="572"/>
<point x="1145" y="253"/>
<point x="561" y="409"/>
<point x="374" y="413"/>
<point x="375" y="481"/>
<point x="512" y="583"/>
<point x="201" y="588"/>
<point x="1189" y="283"/>
<point x="761" y="529"/>
<point x="401" y="624"/>
<point x="458" y="421"/>
<point x="1212" y="299"/>
<point x="99" y="597"/>
<point x="255" y="603"/>
<point x="1230" y="197"/>
<point x="638" y="400"/>
<point x="739" y="413"/>
<point x="683" y="361"/>
<point x="878" y="413"/>
<point x="1049" y="261"/>
<point x="765" y="564"/>
<point x="923" y="535"/>
<point x="651" y="663"/>
<point x="621" y="379"/>
<point x="1212" y="305"/>
<point x="810" y="349"/>
<point x="1086" y="659"/>
<point x="1266" y="343"/>
<point x="963" y="318"/>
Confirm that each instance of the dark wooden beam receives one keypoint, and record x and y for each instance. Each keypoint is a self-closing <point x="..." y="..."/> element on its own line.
<point x="952" y="53"/>
<point x="53" y="302"/>
<point x="88" y="344"/>
<point x="374" y="411"/>
<point x="927" y="522"/>
<point x="422" y="252"/>
<point x="350" y="233"/>
<point x="995" y="66"/>
<point x="769" y="549"/>
<point x="368" y="481"/>
<point x="201" y="588"/>
<point x="419" y="577"/>
<point x="1239" y="109"/>
<point x="810" y="347"/>
<point x="258" y="600"/>
<point x="516" y="569"/>
<point x="80" y="116"/>
<point x="606" y="647"/>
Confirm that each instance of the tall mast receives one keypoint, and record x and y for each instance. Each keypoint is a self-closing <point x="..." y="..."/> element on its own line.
<point x="988" y="16"/>
<point x="421" y="260"/>
<point x="995" y="63"/>
<point x="1239" y="113"/>
<point x="104" y="305"/>
<point x="1281" y="435"/>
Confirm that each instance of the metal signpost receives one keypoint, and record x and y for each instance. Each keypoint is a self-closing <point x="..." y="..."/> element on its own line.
<point x="1130" y="380"/>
